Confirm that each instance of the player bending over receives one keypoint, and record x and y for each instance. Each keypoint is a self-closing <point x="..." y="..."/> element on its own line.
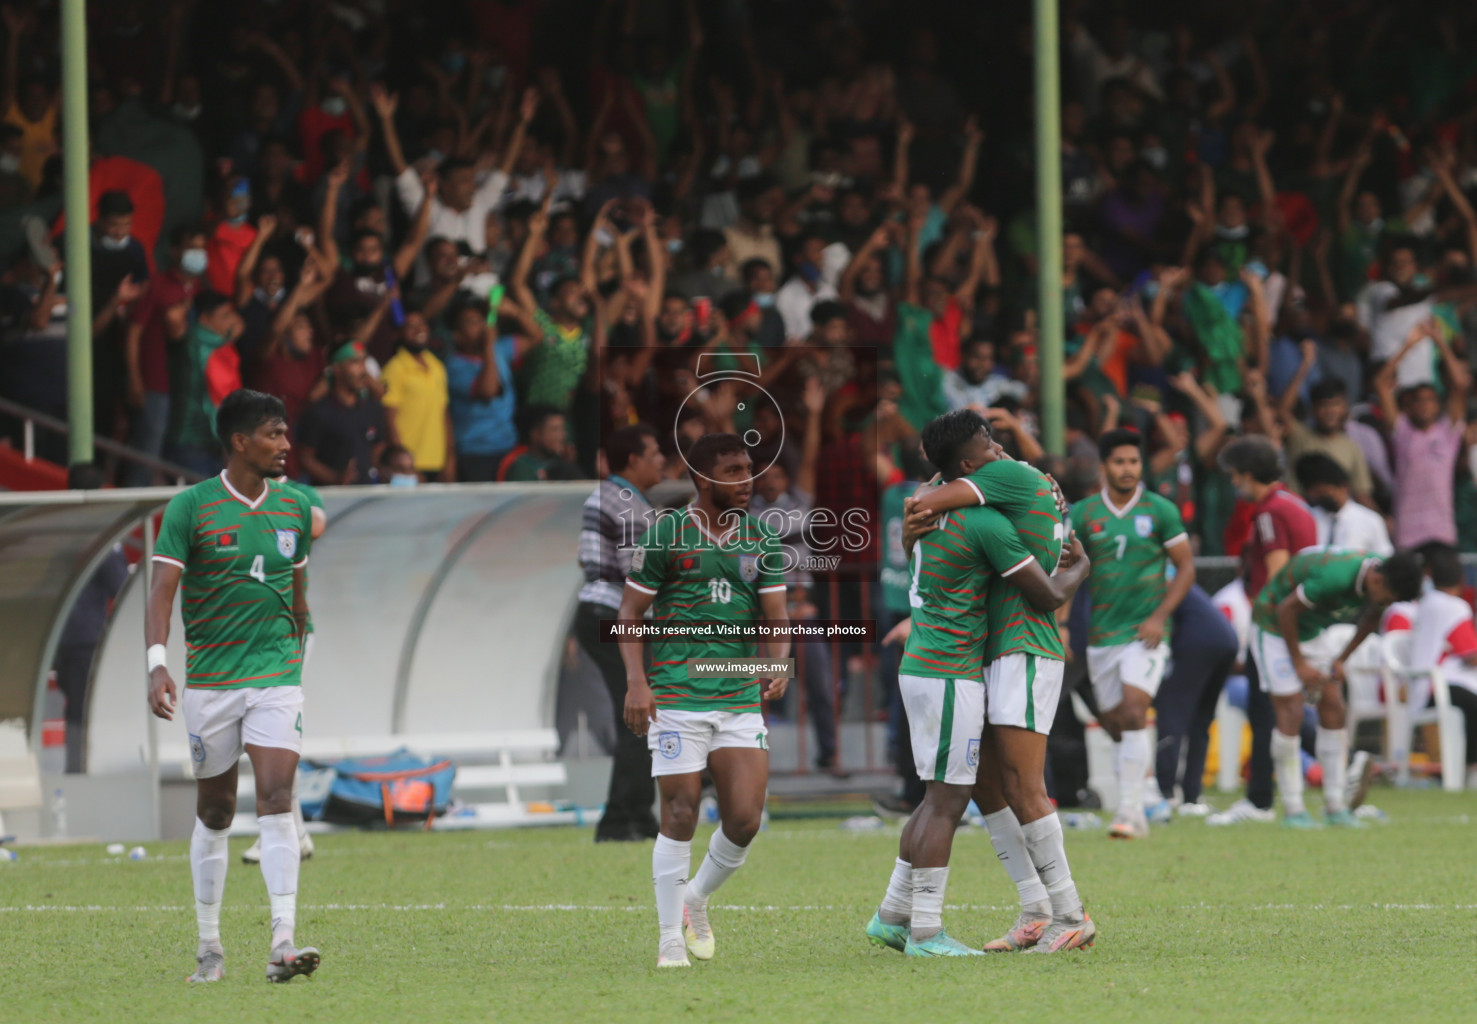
<point x="942" y="680"/>
<point x="239" y="542"/>
<point x="1130" y="533"/>
<point x="1023" y="685"/>
<point x="708" y="562"/>
<point x="1314" y="590"/>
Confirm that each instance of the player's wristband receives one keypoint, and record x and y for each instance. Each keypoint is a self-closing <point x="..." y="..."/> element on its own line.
<point x="156" y="656"/>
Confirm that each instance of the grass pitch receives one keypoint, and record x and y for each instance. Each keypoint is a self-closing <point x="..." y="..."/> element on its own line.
<point x="1246" y="923"/>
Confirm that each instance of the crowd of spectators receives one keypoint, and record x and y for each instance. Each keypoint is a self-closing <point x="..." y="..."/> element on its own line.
<point x="466" y="240"/>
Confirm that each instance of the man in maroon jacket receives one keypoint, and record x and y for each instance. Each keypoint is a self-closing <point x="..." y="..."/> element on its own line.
<point x="1281" y="526"/>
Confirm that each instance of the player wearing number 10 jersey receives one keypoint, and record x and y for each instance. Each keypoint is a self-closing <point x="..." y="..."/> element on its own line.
<point x="1023" y="685"/>
<point x="711" y="564"/>
<point x="238" y="545"/>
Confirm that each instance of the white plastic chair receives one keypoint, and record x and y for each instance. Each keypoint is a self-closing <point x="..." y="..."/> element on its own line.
<point x="1405" y="715"/>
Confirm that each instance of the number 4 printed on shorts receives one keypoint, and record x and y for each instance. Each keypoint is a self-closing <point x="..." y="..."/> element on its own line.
<point x="298" y="725"/>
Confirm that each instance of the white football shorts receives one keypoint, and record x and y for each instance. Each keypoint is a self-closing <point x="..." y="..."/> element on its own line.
<point x="680" y="741"/>
<point x="221" y="724"/>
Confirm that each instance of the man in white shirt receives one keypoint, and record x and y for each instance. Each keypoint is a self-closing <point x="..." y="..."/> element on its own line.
<point x="466" y="191"/>
<point x="1388" y="309"/>
<point x="1341" y="522"/>
<point x="1444" y="634"/>
<point x="806" y="287"/>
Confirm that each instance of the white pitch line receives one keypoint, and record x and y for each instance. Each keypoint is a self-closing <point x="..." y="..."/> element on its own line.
<point x="576" y="908"/>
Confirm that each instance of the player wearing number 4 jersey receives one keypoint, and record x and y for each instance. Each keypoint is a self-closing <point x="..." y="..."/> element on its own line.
<point x="711" y="562"/>
<point x="959" y="570"/>
<point x="238" y="546"/>
<point x="1314" y="590"/>
<point x="1025" y="654"/>
<point x="1130" y="534"/>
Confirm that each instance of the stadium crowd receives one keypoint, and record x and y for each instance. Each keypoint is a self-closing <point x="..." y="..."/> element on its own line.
<point x="322" y="201"/>
<point x="467" y="241"/>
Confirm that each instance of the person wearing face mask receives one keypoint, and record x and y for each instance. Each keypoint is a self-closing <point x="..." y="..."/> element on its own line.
<point x="212" y="370"/>
<point x="805" y="288"/>
<point x="397" y="467"/>
<point x="758" y="280"/>
<point x="416" y="402"/>
<point x="1341" y="522"/>
<point x="158" y="320"/>
<point x="120" y="273"/>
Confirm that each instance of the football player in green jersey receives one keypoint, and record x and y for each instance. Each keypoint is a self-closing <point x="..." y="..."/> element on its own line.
<point x="1023" y="686"/>
<point x="1318" y="588"/>
<point x="1130" y="534"/>
<point x="954" y="570"/>
<point x="710" y="564"/>
<point x="238" y="545"/>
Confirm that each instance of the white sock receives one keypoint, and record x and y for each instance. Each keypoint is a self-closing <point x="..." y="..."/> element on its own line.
<point x="1133" y="764"/>
<point x="297" y="812"/>
<point x="1332" y="748"/>
<point x="280" y="861"/>
<point x="1010" y="849"/>
<point x="670" y="863"/>
<point x="928" y="902"/>
<point x="208" y="860"/>
<point x="1287" y="764"/>
<point x="897" y="904"/>
<point x="1049" y="854"/>
<point x="723" y="859"/>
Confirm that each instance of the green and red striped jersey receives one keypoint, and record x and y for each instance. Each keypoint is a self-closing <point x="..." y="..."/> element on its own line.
<point x="1128" y="548"/>
<point x="701" y="575"/>
<point x="1024" y="496"/>
<point x="237" y="559"/>
<point x="952" y="570"/>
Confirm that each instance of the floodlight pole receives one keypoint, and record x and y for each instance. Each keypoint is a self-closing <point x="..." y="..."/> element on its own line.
<point x="1050" y="323"/>
<point x="75" y="159"/>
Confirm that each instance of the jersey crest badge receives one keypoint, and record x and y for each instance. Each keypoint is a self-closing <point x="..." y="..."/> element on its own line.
<point x="197" y="749"/>
<point x="1143" y="525"/>
<point x="287" y="543"/>
<point x="670" y="745"/>
<point x="638" y="559"/>
<point x="748" y="567"/>
<point x="972" y="754"/>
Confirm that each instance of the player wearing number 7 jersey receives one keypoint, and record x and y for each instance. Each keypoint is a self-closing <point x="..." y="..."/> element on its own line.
<point x="238" y="545"/>
<point x="1023" y="685"/>
<point x="710" y="563"/>
<point x="1130" y="534"/>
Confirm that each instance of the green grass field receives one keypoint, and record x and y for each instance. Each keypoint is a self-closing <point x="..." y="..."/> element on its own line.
<point x="1248" y="923"/>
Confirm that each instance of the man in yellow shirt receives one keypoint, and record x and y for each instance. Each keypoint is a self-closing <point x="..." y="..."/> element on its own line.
<point x="417" y="403"/>
<point x="28" y="104"/>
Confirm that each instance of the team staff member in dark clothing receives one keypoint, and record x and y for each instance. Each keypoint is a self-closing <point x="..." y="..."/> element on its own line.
<point x="615" y="517"/>
<point x="1203" y="650"/>
<point x="1281" y="526"/>
<point x="342" y="434"/>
